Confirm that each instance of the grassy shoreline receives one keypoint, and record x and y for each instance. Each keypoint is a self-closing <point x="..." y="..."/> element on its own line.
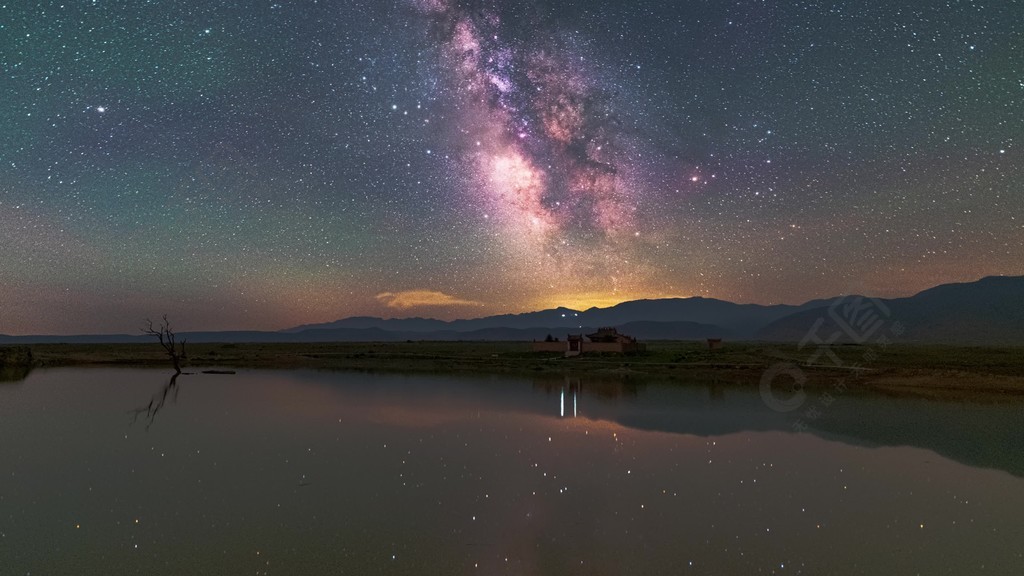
<point x="952" y="372"/>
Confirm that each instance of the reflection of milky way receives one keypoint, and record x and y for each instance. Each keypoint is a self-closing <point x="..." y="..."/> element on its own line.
<point x="544" y="155"/>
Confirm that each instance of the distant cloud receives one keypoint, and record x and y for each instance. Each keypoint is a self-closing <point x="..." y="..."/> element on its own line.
<point x="416" y="298"/>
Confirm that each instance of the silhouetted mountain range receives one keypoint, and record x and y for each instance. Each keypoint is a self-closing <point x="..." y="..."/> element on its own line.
<point x="988" y="311"/>
<point x="695" y="318"/>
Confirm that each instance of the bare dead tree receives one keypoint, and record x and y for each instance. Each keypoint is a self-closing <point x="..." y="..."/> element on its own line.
<point x="175" y="350"/>
<point x="165" y="335"/>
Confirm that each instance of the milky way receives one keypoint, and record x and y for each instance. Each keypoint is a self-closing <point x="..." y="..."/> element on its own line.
<point x="542" y="144"/>
<point x="269" y="164"/>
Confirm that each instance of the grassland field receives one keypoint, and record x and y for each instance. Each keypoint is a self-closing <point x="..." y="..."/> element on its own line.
<point x="973" y="373"/>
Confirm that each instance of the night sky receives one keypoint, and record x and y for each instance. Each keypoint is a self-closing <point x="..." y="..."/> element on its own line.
<point x="258" y="165"/>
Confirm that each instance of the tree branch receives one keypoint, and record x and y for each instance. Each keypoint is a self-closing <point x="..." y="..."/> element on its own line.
<point x="167" y="339"/>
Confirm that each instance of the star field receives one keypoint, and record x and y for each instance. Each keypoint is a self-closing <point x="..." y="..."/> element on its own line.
<point x="265" y="165"/>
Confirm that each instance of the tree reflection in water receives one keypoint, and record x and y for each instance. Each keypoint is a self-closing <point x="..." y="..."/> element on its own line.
<point x="158" y="401"/>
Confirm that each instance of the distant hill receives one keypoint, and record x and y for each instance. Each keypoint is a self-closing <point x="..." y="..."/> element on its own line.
<point x="988" y="311"/>
<point x="716" y="317"/>
<point x="557" y="317"/>
<point x="740" y="321"/>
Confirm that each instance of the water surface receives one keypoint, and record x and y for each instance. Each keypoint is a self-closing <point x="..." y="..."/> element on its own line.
<point x="303" y="472"/>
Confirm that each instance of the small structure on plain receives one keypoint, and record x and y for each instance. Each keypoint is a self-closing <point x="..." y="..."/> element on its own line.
<point x="606" y="339"/>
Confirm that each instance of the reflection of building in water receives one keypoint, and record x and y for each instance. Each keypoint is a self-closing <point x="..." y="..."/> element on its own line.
<point x="569" y="392"/>
<point x="573" y="399"/>
<point x="604" y="340"/>
<point x="604" y="388"/>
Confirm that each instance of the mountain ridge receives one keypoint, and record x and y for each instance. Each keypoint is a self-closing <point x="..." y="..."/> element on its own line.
<point x="986" y="311"/>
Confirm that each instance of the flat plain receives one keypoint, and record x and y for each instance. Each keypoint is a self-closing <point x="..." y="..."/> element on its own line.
<point x="948" y="372"/>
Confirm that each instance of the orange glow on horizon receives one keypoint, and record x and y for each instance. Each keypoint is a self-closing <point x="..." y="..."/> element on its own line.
<point x="585" y="300"/>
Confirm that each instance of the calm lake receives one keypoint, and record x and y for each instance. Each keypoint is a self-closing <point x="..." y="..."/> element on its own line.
<point x="304" y="472"/>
